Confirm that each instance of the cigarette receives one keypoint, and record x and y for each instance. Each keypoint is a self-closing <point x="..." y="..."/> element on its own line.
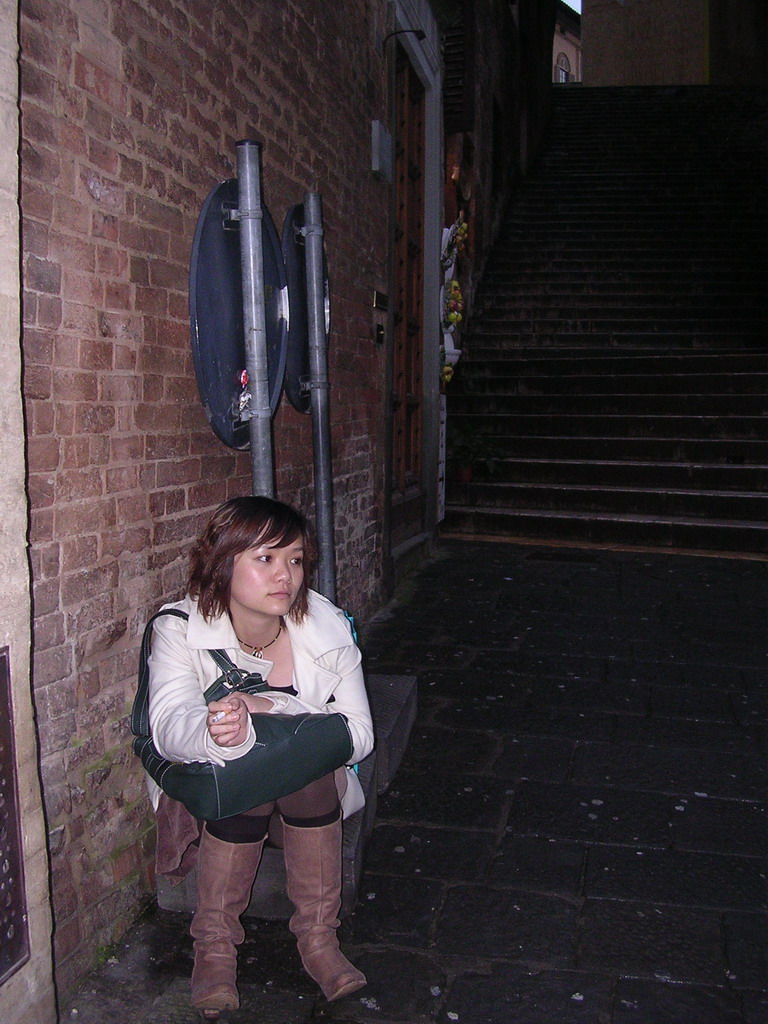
<point x="218" y="717"/>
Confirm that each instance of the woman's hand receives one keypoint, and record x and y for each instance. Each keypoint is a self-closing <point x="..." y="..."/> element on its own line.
<point x="227" y="721"/>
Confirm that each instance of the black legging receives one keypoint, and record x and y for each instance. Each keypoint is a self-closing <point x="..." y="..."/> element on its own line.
<point x="311" y="807"/>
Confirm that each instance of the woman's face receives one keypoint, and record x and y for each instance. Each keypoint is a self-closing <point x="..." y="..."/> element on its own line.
<point x="266" y="580"/>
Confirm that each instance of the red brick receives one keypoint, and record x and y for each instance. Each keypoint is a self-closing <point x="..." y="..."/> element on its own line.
<point x="131" y="509"/>
<point x="43" y="453"/>
<point x="96" y="355"/>
<point x="110" y="261"/>
<point x="37" y="382"/>
<point x="103" y="155"/>
<point x="50" y="665"/>
<point x="78" y="485"/>
<point x="38" y="346"/>
<point x="75" y="386"/>
<point x="104" y="225"/>
<point x="40" y="416"/>
<point x="109" y="194"/>
<point x="168" y="275"/>
<point x="167" y="502"/>
<point x="49" y="311"/>
<point x="79" y="317"/>
<point x="131" y="171"/>
<point x="86" y="585"/>
<point x="164" y="446"/>
<point x="79" y="552"/>
<point x="122" y="478"/>
<point x="75" y="452"/>
<point x="42" y="275"/>
<point x="100" y="83"/>
<point x="129" y="448"/>
<point x="117" y="295"/>
<point x="93" y="418"/>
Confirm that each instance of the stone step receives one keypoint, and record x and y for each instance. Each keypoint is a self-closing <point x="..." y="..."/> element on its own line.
<point x="613" y="425"/>
<point x="612" y="403"/>
<point x="516" y="337"/>
<point x="626" y="530"/>
<point x="393" y="700"/>
<point x="575" y="362"/>
<point x="622" y="472"/>
<point x="613" y="498"/>
<point x="695" y="451"/>
<point x="483" y="380"/>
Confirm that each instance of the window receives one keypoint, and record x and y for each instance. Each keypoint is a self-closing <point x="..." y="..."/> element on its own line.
<point x="562" y="69"/>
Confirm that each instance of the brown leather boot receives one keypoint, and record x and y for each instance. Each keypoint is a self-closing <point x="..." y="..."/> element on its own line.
<point x="225" y="874"/>
<point x="313" y="871"/>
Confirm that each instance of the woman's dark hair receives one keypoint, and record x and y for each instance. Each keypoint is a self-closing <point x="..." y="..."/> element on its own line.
<point x="236" y="526"/>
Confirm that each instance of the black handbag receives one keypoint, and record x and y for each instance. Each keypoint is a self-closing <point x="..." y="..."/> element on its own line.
<point x="290" y="750"/>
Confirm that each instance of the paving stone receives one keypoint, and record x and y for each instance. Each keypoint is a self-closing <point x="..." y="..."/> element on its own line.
<point x="526" y="757"/>
<point x="561" y="666"/>
<point x="458" y="801"/>
<point x="268" y="957"/>
<point x="481" y="921"/>
<point x="746" y="943"/>
<point x="647" y="1002"/>
<point x="395" y="911"/>
<point x="668" y="732"/>
<point x="755" y="1006"/>
<point x="481" y="676"/>
<point x="692" y="702"/>
<point x="495" y="712"/>
<point x="633" y="671"/>
<point x="647" y="940"/>
<point x="750" y="708"/>
<point x="508" y="993"/>
<point x="671" y="770"/>
<point x="624" y="699"/>
<point x="719" y="677"/>
<point x="677" y="877"/>
<point x="540" y="865"/>
<point x="440" y="749"/>
<point x="722" y="826"/>
<point x="592" y="814"/>
<point x="446" y="854"/>
<point x="402" y="986"/>
<point x="577" y="725"/>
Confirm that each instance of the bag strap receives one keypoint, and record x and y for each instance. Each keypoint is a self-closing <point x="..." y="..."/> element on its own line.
<point x="140" y="712"/>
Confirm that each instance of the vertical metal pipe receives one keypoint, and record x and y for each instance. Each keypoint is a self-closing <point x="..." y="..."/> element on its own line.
<point x="319" y="393"/>
<point x="254" y="320"/>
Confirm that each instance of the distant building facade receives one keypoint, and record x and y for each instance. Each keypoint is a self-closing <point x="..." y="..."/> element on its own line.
<point x="674" y="42"/>
<point x="566" y="46"/>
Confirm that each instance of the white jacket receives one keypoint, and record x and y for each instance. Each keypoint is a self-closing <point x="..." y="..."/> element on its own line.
<point x="327" y="676"/>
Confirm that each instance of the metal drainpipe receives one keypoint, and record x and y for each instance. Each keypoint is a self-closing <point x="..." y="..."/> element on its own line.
<point x="258" y="410"/>
<point x="319" y="393"/>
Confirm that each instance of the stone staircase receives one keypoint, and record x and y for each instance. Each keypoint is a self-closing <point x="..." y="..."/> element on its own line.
<point x="617" y="362"/>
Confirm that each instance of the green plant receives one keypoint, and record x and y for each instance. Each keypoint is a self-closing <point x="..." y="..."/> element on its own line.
<point x="465" y="446"/>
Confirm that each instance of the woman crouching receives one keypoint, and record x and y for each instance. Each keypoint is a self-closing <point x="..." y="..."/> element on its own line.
<point x="248" y="594"/>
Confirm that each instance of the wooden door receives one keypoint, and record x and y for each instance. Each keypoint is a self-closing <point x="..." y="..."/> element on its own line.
<point x="407" y="488"/>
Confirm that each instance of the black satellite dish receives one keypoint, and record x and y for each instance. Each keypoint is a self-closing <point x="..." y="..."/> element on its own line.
<point x="216" y="313"/>
<point x="297" y="357"/>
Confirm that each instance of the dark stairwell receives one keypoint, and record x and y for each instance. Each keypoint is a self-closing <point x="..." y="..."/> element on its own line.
<point x="617" y="362"/>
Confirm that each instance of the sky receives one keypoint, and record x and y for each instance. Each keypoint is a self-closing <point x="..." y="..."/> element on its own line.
<point x="575" y="4"/>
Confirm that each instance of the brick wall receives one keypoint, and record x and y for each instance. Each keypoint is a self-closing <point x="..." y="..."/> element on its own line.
<point x="130" y="113"/>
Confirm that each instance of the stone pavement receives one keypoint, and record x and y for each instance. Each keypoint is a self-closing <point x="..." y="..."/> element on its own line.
<point x="577" y="833"/>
